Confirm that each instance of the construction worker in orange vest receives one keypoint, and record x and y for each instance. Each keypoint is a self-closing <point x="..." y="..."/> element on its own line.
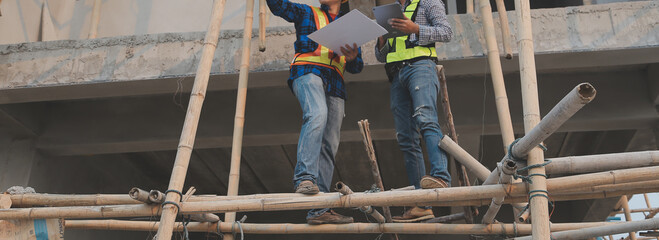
<point x="316" y="79"/>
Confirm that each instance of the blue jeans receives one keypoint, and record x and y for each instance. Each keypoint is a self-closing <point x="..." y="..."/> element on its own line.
<point x="319" y="138"/>
<point x="414" y="91"/>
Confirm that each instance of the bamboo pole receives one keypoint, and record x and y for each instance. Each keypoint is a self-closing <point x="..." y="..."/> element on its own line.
<point x="464" y="158"/>
<point x="602" y="162"/>
<point x="139" y="195"/>
<point x="262" y="24"/>
<point x="239" y="120"/>
<point x="531" y="108"/>
<point x="351" y="228"/>
<point x="500" y="96"/>
<point x="508" y="168"/>
<point x="638" y="210"/>
<point x="470" y="6"/>
<point x="593" y="192"/>
<point x="365" y="129"/>
<point x="463" y="177"/>
<point x="345" y="190"/>
<point x="191" y="123"/>
<point x="628" y="215"/>
<point x="505" y="29"/>
<point x="647" y="224"/>
<point x="96" y="18"/>
<point x="421" y="197"/>
<point x="568" y="106"/>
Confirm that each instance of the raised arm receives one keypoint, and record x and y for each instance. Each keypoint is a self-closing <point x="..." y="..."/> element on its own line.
<point x="287" y="10"/>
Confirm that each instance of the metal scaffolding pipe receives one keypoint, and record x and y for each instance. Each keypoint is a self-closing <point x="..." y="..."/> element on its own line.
<point x="352" y="228"/>
<point x="598" y="231"/>
<point x="389" y="198"/>
<point x="345" y="190"/>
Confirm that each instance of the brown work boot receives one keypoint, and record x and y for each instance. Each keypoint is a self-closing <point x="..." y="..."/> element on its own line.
<point x="330" y="217"/>
<point x="414" y="214"/>
<point x="307" y="187"/>
<point x="429" y="182"/>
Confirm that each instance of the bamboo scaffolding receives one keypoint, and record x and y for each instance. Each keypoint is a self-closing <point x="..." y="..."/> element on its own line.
<point x="531" y="108"/>
<point x="421" y="197"/>
<point x="593" y="192"/>
<point x="470" y="6"/>
<point x="239" y="120"/>
<point x="628" y="215"/>
<point x="508" y="168"/>
<point x="568" y="106"/>
<point x="365" y="129"/>
<point x="447" y="218"/>
<point x="352" y="228"/>
<point x="345" y="190"/>
<point x="139" y="195"/>
<point x="191" y="123"/>
<point x="505" y="29"/>
<point x="464" y="158"/>
<point x="263" y="11"/>
<point x="638" y="210"/>
<point x="463" y="177"/>
<point x="96" y="18"/>
<point x="583" y="233"/>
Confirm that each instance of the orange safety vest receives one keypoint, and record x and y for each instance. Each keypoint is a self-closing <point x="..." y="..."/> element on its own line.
<point x="322" y="56"/>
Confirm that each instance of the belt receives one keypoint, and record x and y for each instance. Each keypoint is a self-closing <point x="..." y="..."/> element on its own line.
<point x="392" y="68"/>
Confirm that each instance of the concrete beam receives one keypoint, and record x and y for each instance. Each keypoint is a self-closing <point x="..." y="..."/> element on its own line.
<point x="273" y="116"/>
<point x="624" y="34"/>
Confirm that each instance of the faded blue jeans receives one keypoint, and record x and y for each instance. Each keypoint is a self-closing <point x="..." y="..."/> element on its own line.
<point x="414" y="91"/>
<point x="319" y="138"/>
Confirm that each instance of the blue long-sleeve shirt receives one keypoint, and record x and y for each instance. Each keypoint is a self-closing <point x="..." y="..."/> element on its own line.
<point x="303" y="18"/>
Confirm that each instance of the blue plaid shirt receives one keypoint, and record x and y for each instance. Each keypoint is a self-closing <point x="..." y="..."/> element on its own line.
<point x="303" y="17"/>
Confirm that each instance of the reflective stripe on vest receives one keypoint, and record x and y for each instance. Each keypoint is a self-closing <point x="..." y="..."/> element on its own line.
<point x="321" y="56"/>
<point x="401" y="49"/>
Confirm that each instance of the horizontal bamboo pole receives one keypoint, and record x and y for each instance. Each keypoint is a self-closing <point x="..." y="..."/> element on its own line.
<point x="601" y="162"/>
<point x="335" y="200"/>
<point x="353" y="228"/>
<point x="598" y="231"/>
<point x="345" y="190"/>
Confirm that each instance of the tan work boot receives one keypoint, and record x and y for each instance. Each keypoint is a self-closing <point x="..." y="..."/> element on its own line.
<point x="429" y="182"/>
<point x="307" y="187"/>
<point x="330" y="217"/>
<point x="414" y="214"/>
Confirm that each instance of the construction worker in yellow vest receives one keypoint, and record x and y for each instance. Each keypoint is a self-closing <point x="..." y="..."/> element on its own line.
<point x="410" y="65"/>
<point x="316" y="79"/>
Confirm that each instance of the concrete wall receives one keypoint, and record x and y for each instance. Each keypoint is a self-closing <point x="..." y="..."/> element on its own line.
<point x="16" y="158"/>
<point x="21" y="19"/>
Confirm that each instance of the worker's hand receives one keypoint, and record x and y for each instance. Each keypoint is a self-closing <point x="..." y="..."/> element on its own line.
<point x="404" y="25"/>
<point x="350" y="52"/>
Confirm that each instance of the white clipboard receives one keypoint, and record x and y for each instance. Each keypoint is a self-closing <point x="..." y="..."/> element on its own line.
<point x="353" y="27"/>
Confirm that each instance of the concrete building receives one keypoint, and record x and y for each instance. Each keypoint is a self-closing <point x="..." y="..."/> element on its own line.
<point x="103" y="115"/>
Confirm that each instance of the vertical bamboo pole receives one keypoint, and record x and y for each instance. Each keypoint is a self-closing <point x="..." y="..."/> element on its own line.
<point x="96" y="17"/>
<point x="531" y="108"/>
<point x="189" y="131"/>
<point x="628" y="214"/>
<point x="239" y="120"/>
<point x="470" y="6"/>
<point x="365" y="129"/>
<point x="463" y="178"/>
<point x="262" y="24"/>
<point x="500" y="96"/>
<point x="505" y="29"/>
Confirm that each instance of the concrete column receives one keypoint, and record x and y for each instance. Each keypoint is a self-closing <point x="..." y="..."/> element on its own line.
<point x="16" y="158"/>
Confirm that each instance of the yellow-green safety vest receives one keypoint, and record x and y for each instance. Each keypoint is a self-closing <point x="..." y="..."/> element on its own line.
<point x="401" y="49"/>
